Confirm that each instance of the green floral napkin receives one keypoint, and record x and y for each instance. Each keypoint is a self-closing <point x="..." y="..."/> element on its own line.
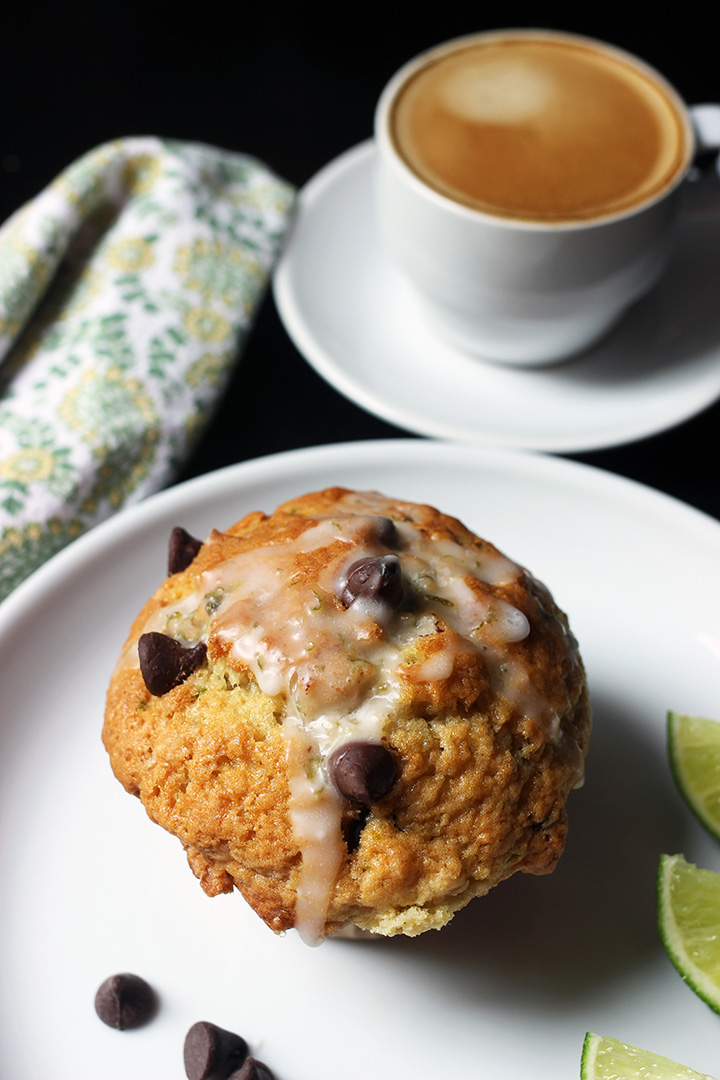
<point x="126" y="290"/>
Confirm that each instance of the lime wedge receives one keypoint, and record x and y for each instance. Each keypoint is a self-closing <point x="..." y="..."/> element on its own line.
<point x="689" y="923"/>
<point x="694" y="752"/>
<point x="607" y="1059"/>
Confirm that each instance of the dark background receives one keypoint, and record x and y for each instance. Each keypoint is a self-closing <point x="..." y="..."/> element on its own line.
<point x="295" y="86"/>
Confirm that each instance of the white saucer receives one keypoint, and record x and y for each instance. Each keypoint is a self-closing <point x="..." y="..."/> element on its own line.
<point x="356" y="321"/>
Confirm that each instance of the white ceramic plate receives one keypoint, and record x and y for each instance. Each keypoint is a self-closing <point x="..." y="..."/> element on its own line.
<point x="89" y="887"/>
<point x="354" y="318"/>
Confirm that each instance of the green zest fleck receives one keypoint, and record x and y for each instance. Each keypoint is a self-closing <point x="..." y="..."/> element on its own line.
<point x="186" y="628"/>
<point x="316" y="607"/>
<point x="213" y="600"/>
<point x="312" y="767"/>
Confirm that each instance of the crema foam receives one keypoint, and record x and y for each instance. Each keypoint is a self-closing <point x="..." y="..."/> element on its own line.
<point x="541" y="128"/>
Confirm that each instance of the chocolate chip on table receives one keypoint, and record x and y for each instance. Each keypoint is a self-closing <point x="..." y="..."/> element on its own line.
<point x="165" y="663"/>
<point x="182" y="549"/>
<point x="125" y="1001"/>
<point x="212" y="1053"/>
<point x="252" y="1070"/>
<point x="363" y="772"/>
<point x="378" y="578"/>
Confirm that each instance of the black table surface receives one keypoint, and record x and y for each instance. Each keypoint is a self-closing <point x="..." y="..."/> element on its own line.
<point x="296" y="86"/>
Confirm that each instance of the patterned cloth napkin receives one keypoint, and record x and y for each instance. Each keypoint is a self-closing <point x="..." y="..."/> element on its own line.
<point x="127" y="288"/>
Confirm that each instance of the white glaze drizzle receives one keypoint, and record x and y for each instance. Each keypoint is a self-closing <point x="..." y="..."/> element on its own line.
<point x="337" y="667"/>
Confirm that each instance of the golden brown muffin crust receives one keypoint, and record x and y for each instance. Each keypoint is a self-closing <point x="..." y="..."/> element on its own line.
<point x="488" y="734"/>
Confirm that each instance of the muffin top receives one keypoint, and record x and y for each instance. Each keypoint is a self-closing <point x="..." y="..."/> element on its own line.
<point x="355" y="636"/>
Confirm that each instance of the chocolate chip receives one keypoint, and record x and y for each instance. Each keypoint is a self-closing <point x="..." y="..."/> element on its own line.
<point x="352" y="829"/>
<point x="182" y="549"/>
<point x="387" y="532"/>
<point x="125" y="1001"/>
<point x="377" y="578"/>
<point x="363" y="772"/>
<point x="212" y="1053"/>
<point x="252" y="1070"/>
<point x="165" y="663"/>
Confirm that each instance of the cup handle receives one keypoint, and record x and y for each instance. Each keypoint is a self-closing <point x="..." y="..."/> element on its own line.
<point x="706" y="124"/>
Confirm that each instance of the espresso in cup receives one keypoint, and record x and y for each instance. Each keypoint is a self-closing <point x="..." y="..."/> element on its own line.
<point x="541" y="128"/>
<point x="527" y="185"/>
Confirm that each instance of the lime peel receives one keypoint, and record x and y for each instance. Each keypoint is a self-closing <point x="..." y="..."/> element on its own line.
<point x="693" y="744"/>
<point x="688" y="906"/>
<point x="605" y="1058"/>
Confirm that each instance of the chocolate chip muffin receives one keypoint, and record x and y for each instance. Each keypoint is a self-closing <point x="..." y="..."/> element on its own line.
<point x="354" y="711"/>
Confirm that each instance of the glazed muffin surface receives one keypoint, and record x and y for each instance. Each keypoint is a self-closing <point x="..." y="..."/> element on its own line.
<point x="355" y="711"/>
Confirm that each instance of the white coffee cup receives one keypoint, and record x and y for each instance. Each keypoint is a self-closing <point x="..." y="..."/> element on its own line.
<point x="515" y="286"/>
